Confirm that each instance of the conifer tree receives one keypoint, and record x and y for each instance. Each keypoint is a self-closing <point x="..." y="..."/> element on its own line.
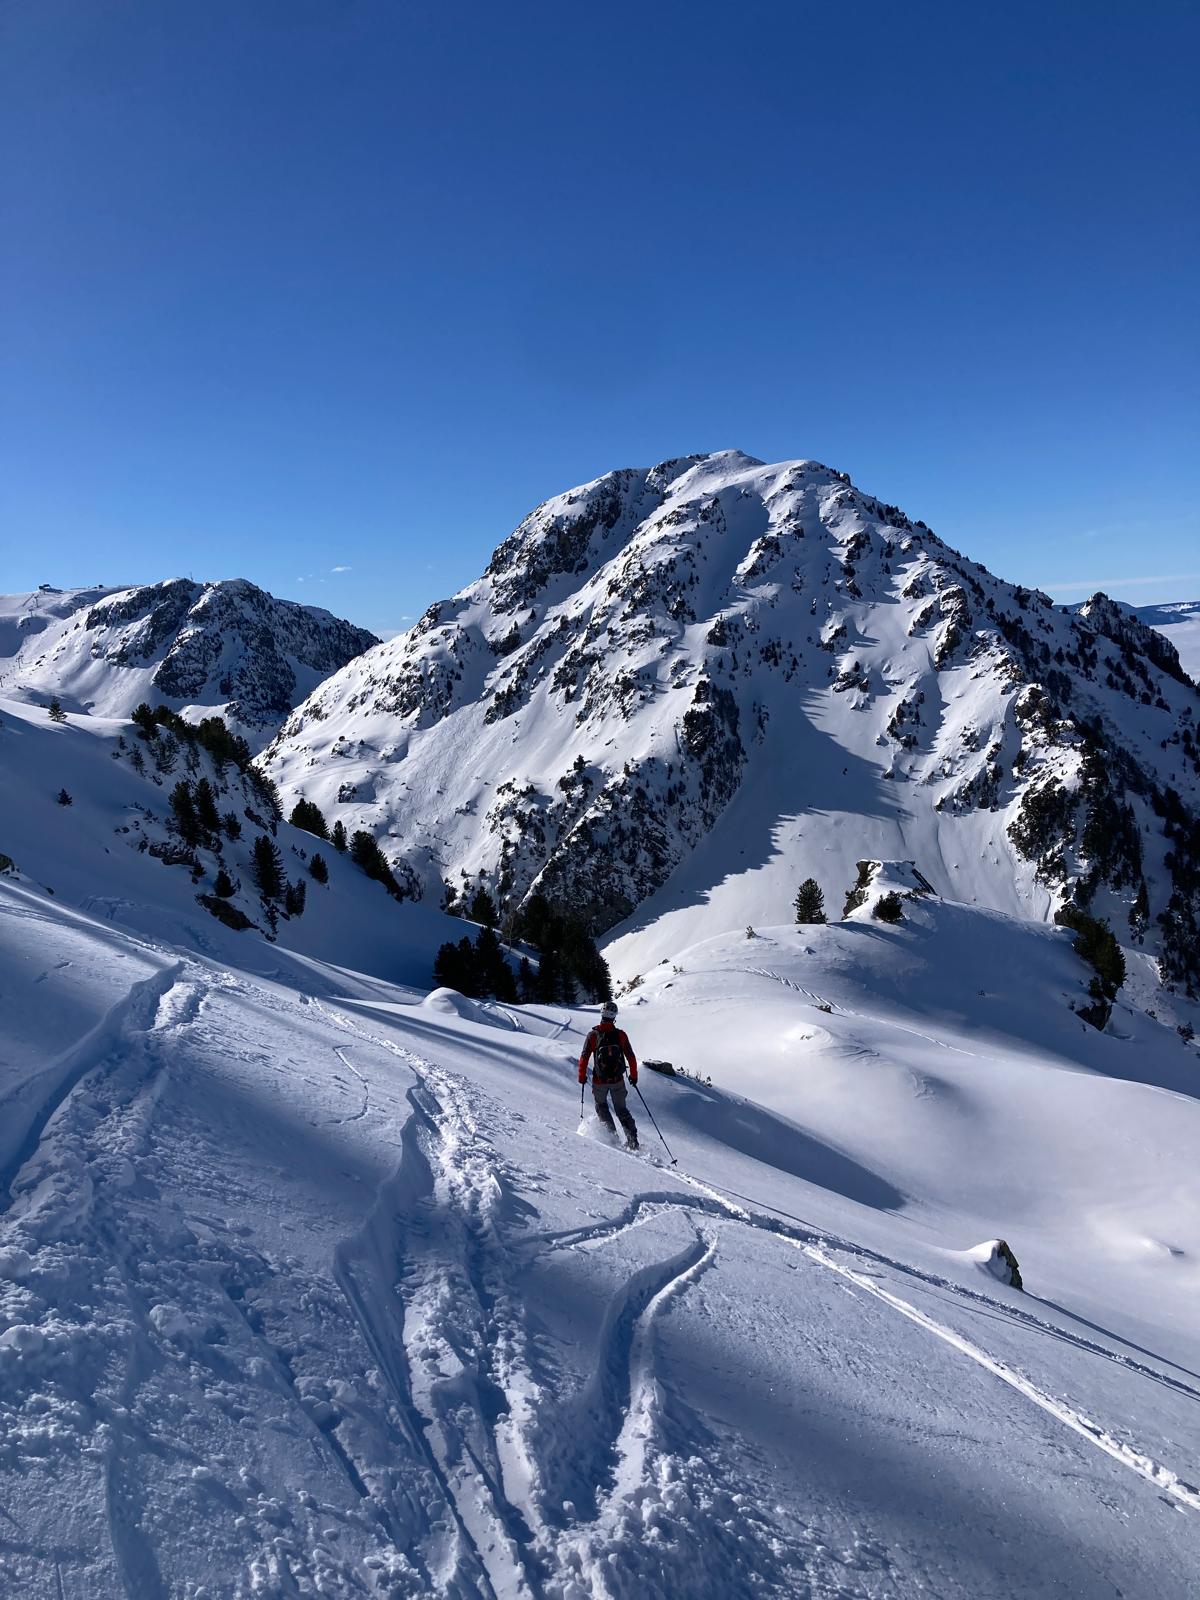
<point x="223" y="887"/>
<point x="137" y="760"/>
<point x="232" y="824"/>
<point x="810" y="902"/>
<point x="483" y="908"/>
<point x="184" y="808"/>
<point x="55" y="711"/>
<point x="205" y="799"/>
<point x="318" y="868"/>
<point x="268" y="868"/>
<point x="294" y="896"/>
<point x="337" y="837"/>
<point x="64" y="799"/>
<point x="365" y="853"/>
<point x="308" y="816"/>
<point x="143" y="721"/>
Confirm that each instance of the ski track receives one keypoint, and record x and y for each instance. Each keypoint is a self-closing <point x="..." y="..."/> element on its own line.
<point x="883" y="1022"/>
<point x="431" y="1281"/>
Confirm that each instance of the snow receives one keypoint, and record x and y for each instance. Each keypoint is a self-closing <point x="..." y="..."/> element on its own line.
<point x="309" y="1286"/>
<point x="1178" y="621"/>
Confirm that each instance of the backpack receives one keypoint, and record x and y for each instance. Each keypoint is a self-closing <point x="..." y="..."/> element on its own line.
<point x="609" y="1057"/>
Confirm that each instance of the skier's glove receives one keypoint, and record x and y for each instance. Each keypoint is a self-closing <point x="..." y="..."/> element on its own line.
<point x="583" y="1074"/>
<point x="633" y="1074"/>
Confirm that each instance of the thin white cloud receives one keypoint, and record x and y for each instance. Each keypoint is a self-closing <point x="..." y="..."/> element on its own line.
<point x="339" y="569"/>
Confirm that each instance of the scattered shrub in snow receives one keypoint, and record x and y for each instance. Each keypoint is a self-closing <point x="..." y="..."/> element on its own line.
<point x="810" y="902"/>
<point x="888" y="908"/>
<point x="225" y="911"/>
<point x="318" y="868"/>
<point x="64" y="799"/>
<point x="858" y="894"/>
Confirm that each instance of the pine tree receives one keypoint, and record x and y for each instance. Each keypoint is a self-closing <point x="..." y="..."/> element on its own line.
<point x="232" y="824"/>
<point x="494" y="975"/>
<point x="318" y="868"/>
<point x="888" y="908"/>
<point x="166" y="753"/>
<point x="337" y="837"/>
<point x="268" y="868"/>
<point x="223" y="887"/>
<point x="810" y="902"/>
<point x="483" y="908"/>
<point x="137" y="760"/>
<point x="205" y="798"/>
<point x="64" y="799"/>
<point x="308" y="816"/>
<point x="55" y="711"/>
<point x="294" y="896"/>
<point x="185" y="813"/>
<point x="267" y="791"/>
<point x="143" y="721"/>
<point x="365" y="853"/>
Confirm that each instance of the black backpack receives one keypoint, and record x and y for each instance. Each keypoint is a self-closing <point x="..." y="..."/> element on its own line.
<point x="609" y="1058"/>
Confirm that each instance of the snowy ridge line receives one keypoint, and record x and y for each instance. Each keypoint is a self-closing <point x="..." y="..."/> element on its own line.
<point x="1161" y="1477"/>
<point x="132" y="1014"/>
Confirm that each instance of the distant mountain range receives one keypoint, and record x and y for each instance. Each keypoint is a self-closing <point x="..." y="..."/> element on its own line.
<point x="199" y="648"/>
<point x="676" y="692"/>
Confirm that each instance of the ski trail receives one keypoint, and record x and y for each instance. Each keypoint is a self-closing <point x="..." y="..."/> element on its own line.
<point x="845" y="1011"/>
<point x="364" y="1105"/>
<point x="1161" y="1477"/>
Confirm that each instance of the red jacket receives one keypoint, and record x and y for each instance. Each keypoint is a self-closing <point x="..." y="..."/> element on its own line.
<point x="589" y="1046"/>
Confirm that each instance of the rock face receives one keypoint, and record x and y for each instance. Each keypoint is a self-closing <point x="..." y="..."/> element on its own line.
<point x="225" y="647"/>
<point x="677" y="692"/>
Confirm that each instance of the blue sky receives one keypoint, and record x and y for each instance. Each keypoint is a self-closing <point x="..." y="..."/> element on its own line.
<point x="293" y="286"/>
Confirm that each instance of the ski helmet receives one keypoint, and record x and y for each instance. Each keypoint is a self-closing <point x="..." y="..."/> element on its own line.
<point x="608" y="1011"/>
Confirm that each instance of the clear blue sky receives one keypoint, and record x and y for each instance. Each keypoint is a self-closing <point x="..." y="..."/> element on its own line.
<point x="292" y="285"/>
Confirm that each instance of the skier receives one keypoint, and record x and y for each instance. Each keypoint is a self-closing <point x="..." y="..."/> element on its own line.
<point x="610" y="1050"/>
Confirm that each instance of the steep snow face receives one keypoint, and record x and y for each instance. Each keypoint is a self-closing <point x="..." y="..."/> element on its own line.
<point x="675" y="693"/>
<point x="1179" y="622"/>
<point x="201" y="648"/>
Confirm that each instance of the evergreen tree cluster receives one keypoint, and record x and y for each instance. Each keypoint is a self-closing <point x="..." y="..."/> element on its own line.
<point x="310" y="817"/>
<point x="570" y="966"/>
<point x="479" y="970"/>
<point x="1096" y="944"/>
<point x="365" y="853"/>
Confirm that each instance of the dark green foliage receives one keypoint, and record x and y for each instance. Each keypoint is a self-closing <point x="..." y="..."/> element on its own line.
<point x="268" y="868"/>
<point x="55" y="711"/>
<point x="204" y="797"/>
<point x="165" y="751"/>
<point x="294" y="896"/>
<point x="889" y="908"/>
<point x="858" y="894"/>
<point x="143" y="721"/>
<point x="493" y="973"/>
<point x="810" y="902"/>
<point x="186" y="821"/>
<point x="137" y="760"/>
<point x="64" y="799"/>
<point x="232" y="916"/>
<point x="483" y="909"/>
<point x="337" y="837"/>
<point x="1096" y="944"/>
<point x="319" y="869"/>
<point x="308" y="816"/>
<point x="223" y="887"/>
<point x="569" y="960"/>
<point x="526" y="980"/>
<point x="267" y="791"/>
<point x="365" y="853"/>
<point x="454" y="966"/>
<point x="232" y="824"/>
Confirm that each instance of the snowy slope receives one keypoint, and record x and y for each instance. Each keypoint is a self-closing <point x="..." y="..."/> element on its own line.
<point x="114" y="853"/>
<point x="226" y="648"/>
<point x="1178" y="622"/>
<point x="310" y="1296"/>
<point x="676" y="693"/>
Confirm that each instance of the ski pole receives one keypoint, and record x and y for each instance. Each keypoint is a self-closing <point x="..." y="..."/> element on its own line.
<point x="657" y="1129"/>
<point x="582" y="1087"/>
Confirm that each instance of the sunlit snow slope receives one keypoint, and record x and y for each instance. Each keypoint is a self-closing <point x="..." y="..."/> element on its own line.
<point x="675" y="693"/>
<point x="201" y="648"/>
<point x="309" y="1296"/>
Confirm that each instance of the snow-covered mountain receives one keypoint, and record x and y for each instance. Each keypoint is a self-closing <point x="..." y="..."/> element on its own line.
<point x="1178" y="621"/>
<point x="201" y="648"/>
<point x="677" y="692"/>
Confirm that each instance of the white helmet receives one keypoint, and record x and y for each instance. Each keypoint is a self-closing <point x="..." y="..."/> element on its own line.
<point x="608" y="1011"/>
